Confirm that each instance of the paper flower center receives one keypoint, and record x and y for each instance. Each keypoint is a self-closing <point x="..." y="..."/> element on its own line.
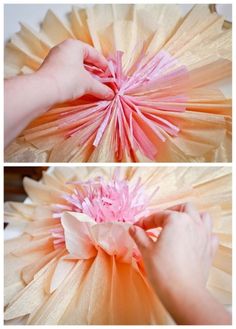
<point x="117" y="200"/>
<point x="113" y="201"/>
<point x="150" y="95"/>
<point x="144" y="94"/>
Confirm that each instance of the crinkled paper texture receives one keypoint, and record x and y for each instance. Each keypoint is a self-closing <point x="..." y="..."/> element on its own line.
<point x="83" y="131"/>
<point x="98" y="277"/>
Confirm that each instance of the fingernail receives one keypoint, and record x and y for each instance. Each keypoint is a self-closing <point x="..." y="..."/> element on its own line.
<point x="132" y="230"/>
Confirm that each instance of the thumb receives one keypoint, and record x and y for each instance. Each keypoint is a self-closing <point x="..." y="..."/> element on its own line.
<point x="140" y="237"/>
<point x="99" y="90"/>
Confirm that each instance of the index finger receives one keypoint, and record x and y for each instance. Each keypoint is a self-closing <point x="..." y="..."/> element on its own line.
<point x="188" y="208"/>
<point x="91" y="55"/>
<point x="155" y="220"/>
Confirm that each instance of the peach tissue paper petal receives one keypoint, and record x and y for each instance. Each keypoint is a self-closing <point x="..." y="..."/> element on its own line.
<point x="167" y="73"/>
<point x="74" y="261"/>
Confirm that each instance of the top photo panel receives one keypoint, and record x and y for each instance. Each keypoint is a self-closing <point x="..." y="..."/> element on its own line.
<point x="117" y="83"/>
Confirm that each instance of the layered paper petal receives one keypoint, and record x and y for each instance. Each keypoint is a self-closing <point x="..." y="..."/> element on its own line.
<point x="165" y="72"/>
<point x="66" y="261"/>
<point x="83" y="238"/>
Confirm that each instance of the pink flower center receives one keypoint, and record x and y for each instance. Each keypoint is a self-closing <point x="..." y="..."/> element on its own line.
<point x="144" y="94"/>
<point x="113" y="201"/>
<point x="117" y="200"/>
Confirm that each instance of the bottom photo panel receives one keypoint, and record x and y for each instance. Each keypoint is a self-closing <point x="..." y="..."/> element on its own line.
<point x="117" y="245"/>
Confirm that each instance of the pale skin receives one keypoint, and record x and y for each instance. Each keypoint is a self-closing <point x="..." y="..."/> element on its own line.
<point x="178" y="263"/>
<point x="61" y="77"/>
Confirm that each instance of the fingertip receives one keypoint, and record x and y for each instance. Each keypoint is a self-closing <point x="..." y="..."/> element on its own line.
<point x="191" y="209"/>
<point x="157" y="219"/>
<point x="109" y="94"/>
<point x="100" y="90"/>
<point x="103" y="63"/>
<point x="96" y="58"/>
<point x="140" y="237"/>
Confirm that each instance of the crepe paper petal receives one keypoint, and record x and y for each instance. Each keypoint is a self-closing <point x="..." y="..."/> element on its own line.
<point x="83" y="238"/>
<point x="51" y="311"/>
<point x="77" y="236"/>
<point x="29" y="271"/>
<point x="112" y="296"/>
<point x="156" y="70"/>
<point x="217" y="279"/>
<point x="63" y="268"/>
<point x="47" y="192"/>
<point x="223" y="259"/>
<point x="42" y="243"/>
<point x="59" y="268"/>
<point x="32" y="295"/>
<point x="115" y="240"/>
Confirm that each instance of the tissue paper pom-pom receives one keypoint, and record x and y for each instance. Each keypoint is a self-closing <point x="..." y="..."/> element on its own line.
<point x="72" y="265"/>
<point x="162" y="69"/>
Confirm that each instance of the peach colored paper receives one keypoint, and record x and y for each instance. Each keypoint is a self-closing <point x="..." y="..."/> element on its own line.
<point x="75" y="262"/>
<point x="177" y="116"/>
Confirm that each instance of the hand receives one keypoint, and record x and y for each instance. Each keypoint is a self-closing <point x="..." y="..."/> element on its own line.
<point x="61" y="77"/>
<point x="178" y="263"/>
<point x="64" y="67"/>
<point x="184" y="249"/>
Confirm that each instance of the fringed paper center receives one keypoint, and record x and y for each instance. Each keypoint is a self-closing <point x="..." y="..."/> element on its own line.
<point x="114" y="201"/>
<point x="144" y="94"/>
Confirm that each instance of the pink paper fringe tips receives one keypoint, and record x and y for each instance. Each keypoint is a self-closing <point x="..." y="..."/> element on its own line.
<point x="115" y="201"/>
<point x="144" y="96"/>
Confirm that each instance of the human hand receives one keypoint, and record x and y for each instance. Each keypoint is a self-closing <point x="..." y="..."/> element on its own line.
<point x="64" y="68"/>
<point x="177" y="264"/>
<point x="181" y="257"/>
<point x="60" y="78"/>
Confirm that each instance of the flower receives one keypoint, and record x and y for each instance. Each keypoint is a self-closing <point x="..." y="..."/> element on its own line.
<point x="165" y="108"/>
<point x="153" y="85"/>
<point x="113" y="201"/>
<point x="67" y="258"/>
<point x="116" y="201"/>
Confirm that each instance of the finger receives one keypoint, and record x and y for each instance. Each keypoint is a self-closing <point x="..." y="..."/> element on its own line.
<point x="207" y="221"/>
<point x="99" y="90"/>
<point x="214" y="244"/>
<point x="140" y="237"/>
<point x="158" y="219"/>
<point x="91" y="55"/>
<point x="187" y="208"/>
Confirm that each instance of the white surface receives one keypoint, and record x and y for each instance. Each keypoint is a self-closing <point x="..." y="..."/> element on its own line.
<point x="30" y="13"/>
<point x="12" y="232"/>
<point x="225" y="10"/>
